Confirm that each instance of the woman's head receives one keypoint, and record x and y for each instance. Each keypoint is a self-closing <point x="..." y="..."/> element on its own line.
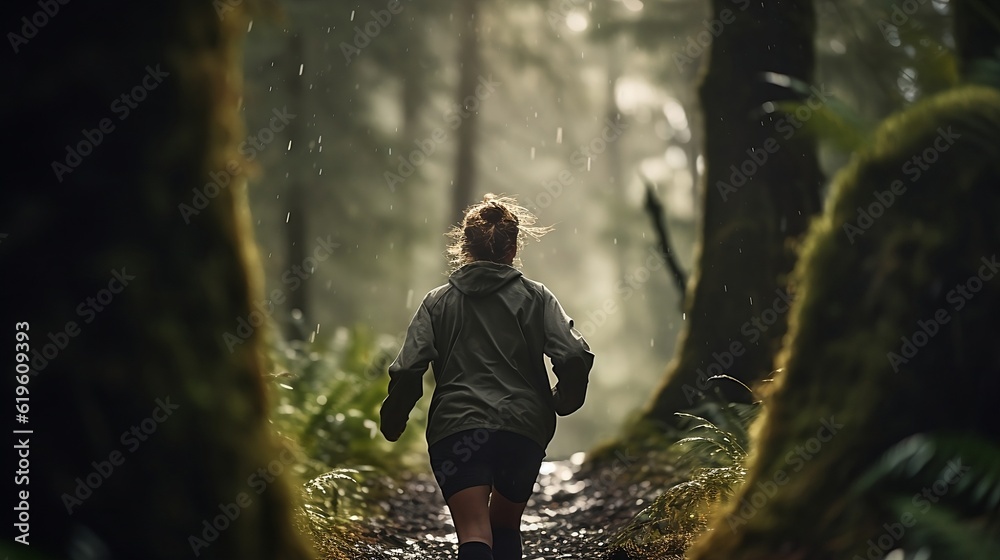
<point x="492" y="230"/>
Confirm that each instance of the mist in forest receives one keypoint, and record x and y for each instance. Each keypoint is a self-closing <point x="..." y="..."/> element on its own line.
<point x="359" y="126"/>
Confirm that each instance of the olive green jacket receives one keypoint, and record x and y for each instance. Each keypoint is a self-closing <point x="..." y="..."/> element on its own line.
<point x="486" y="332"/>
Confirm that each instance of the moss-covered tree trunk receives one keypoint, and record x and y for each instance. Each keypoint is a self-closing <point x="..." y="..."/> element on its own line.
<point x="893" y="334"/>
<point x="761" y="186"/>
<point x="128" y="256"/>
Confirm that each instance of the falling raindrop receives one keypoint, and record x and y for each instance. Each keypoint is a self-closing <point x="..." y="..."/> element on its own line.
<point x="288" y="215"/>
<point x="559" y="135"/>
<point x="352" y="15"/>
<point x="289" y="145"/>
<point x="301" y="67"/>
<point x="532" y="152"/>
<point x="250" y="26"/>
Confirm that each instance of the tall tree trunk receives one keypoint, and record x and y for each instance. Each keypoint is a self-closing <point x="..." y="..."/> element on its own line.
<point x="735" y="315"/>
<point x="883" y="345"/>
<point x="126" y="270"/>
<point x="297" y="229"/>
<point x="469" y="62"/>
<point x="612" y="190"/>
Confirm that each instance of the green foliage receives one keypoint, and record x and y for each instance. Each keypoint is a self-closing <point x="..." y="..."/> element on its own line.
<point x="961" y="473"/>
<point x="842" y="127"/>
<point x="715" y="450"/>
<point x="834" y="122"/>
<point x="327" y="395"/>
<point x="326" y="398"/>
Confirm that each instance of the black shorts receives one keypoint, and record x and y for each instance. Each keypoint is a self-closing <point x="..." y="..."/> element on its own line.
<point x="506" y="461"/>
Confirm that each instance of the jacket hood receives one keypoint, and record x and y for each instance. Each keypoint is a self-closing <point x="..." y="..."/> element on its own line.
<point x="482" y="278"/>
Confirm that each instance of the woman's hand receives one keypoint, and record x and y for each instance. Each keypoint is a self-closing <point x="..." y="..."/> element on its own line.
<point x="391" y="433"/>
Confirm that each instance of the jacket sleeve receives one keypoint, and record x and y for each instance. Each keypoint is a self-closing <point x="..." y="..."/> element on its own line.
<point x="406" y="374"/>
<point x="570" y="355"/>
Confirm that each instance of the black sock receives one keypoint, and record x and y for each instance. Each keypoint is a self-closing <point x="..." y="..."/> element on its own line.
<point x="507" y="544"/>
<point x="474" y="550"/>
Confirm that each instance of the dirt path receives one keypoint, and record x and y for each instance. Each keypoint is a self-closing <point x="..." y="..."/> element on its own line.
<point x="569" y="517"/>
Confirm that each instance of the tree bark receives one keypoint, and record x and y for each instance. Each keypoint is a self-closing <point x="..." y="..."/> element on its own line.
<point x="469" y="62"/>
<point x="747" y="230"/>
<point x="851" y="387"/>
<point x="127" y="271"/>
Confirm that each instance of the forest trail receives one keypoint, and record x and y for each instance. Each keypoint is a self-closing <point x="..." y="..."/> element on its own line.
<point x="571" y="515"/>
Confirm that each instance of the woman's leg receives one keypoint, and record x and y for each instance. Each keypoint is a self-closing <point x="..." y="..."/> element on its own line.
<point x="518" y="461"/>
<point x="505" y="519"/>
<point x="470" y="509"/>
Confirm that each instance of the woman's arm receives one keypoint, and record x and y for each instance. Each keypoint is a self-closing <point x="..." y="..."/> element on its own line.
<point x="570" y="355"/>
<point x="406" y="374"/>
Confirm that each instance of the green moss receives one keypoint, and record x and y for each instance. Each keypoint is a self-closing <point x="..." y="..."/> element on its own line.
<point x="857" y="295"/>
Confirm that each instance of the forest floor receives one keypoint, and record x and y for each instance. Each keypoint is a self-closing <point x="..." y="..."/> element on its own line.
<point x="572" y="515"/>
